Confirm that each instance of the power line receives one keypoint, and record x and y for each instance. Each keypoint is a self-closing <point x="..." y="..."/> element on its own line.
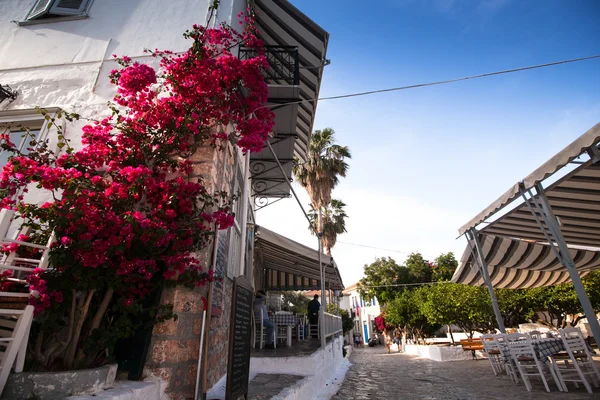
<point x="405" y="284"/>
<point x="419" y="85"/>
<point x="380" y="248"/>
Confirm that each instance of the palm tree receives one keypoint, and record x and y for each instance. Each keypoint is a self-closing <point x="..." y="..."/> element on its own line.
<point x="334" y="222"/>
<point x="325" y="163"/>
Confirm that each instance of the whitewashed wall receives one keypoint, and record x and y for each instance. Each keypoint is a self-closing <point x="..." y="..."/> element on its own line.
<point x="66" y="63"/>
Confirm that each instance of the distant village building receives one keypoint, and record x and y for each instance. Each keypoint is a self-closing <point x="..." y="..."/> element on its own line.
<point x="363" y="312"/>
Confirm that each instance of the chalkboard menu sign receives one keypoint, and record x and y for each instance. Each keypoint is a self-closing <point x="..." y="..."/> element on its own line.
<point x="240" y="332"/>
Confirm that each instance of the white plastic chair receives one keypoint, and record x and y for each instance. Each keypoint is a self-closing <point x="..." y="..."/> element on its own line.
<point x="14" y="328"/>
<point x="577" y="362"/>
<point x="492" y="350"/>
<point x="527" y="361"/>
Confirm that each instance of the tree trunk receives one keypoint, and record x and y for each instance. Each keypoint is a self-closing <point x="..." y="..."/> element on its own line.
<point x="82" y="310"/>
<point x="451" y="336"/>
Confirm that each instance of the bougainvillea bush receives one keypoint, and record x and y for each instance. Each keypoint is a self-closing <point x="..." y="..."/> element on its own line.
<point x="128" y="217"/>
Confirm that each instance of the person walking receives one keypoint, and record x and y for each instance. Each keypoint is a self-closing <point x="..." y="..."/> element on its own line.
<point x="260" y="304"/>
<point x="313" y="310"/>
<point x="398" y="338"/>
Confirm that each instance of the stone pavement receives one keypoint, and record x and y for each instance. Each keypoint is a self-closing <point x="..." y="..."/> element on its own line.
<point x="374" y="374"/>
<point x="267" y="386"/>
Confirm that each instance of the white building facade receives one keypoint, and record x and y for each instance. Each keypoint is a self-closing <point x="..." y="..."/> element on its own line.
<point x="58" y="54"/>
<point x="363" y="313"/>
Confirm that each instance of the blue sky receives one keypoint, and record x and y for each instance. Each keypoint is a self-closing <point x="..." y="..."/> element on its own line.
<point x="427" y="160"/>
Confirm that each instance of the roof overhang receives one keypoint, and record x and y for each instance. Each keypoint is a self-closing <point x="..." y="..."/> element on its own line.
<point x="281" y="25"/>
<point x="290" y="265"/>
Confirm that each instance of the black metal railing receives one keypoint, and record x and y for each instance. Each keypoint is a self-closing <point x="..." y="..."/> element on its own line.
<point x="283" y="63"/>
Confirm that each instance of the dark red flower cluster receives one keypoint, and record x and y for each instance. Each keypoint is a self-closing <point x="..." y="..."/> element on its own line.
<point x="125" y="204"/>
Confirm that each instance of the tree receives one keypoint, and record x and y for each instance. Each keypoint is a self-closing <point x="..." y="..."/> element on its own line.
<point x="128" y="212"/>
<point x="319" y="174"/>
<point x="515" y="306"/>
<point x="418" y="268"/>
<point x="334" y="222"/>
<point x="347" y="322"/>
<point x="443" y="268"/>
<point x="379" y="276"/>
<point x="295" y="302"/>
<point x="467" y="307"/>
<point x="404" y="311"/>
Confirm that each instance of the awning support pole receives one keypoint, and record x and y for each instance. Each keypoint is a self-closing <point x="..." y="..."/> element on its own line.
<point x="323" y="300"/>
<point x="560" y="247"/>
<point x="486" y="278"/>
<point x="322" y="273"/>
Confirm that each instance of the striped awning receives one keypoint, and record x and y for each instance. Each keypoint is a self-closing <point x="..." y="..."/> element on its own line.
<point x="518" y="264"/>
<point x="281" y="24"/>
<point x="290" y="265"/>
<point x="575" y="200"/>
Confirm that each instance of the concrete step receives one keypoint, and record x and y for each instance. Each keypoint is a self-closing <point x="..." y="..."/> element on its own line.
<point x="126" y="390"/>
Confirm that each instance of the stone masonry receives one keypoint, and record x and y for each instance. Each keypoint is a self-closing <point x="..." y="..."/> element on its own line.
<point x="174" y="349"/>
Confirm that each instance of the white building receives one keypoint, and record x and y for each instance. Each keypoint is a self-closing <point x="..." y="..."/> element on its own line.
<point x="57" y="55"/>
<point x="362" y="311"/>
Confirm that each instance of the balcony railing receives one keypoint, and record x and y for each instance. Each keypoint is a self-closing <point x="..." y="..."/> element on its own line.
<point x="332" y="324"/>
<point x="283" y="63"/>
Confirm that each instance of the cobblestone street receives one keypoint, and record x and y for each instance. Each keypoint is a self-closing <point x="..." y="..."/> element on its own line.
<point x="374" y="374"/>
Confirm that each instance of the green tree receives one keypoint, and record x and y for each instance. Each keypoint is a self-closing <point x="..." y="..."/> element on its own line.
<point x="467" y="307"/>
<point x="418" y="268"/>
<point x="378" y="276"/>
<point x="334" y="222"/>
<point x="295" y="302"/>
<point x="404" y="311"/>
<point x="516" y="306"/>
<point x="444" y="267"/>
<point x="319" y="174"/>
<point x="347" y="322"/>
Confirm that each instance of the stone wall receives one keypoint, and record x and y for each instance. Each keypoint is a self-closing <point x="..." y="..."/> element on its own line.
<point x="174" y="349"/>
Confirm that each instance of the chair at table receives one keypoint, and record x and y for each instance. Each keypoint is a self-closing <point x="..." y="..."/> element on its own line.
<point x="259" y="331"/>
<point x="299" y="327"/>
<point x="509" y="365"/>
<point x="535" y="335"/>
<point x="577" y="362"/>
<point x="492" y="350"/>
<point x="527" y="361"/>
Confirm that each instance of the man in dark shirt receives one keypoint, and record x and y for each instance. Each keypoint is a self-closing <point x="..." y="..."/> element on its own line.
<point x="313" y="310"/>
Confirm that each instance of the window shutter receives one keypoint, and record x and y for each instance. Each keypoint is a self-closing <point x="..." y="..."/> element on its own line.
<point x="40" y="8"/>
<point x="68" y="7"/>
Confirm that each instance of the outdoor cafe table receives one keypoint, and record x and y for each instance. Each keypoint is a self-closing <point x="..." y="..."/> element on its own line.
<point x="543" y="347"/>
<point x="287" y="320"/>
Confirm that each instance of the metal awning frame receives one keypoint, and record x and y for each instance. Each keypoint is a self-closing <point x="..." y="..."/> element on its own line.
<point x="538" y="205"/>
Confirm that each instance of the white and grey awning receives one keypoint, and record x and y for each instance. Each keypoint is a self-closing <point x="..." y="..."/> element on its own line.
<point x="518" y="264"/>
<point x="296" y="48"/>
<point x="516" y="245"/>
<point x="290" y="265"/>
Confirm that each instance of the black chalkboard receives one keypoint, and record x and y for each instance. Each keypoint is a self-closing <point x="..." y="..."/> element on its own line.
<point x="240" y="333"/>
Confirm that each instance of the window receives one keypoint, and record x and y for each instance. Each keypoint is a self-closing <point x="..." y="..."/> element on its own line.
<point x="235" y="232"/>
<point x="17" y="124"/>
<point x="48" y="9"/>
